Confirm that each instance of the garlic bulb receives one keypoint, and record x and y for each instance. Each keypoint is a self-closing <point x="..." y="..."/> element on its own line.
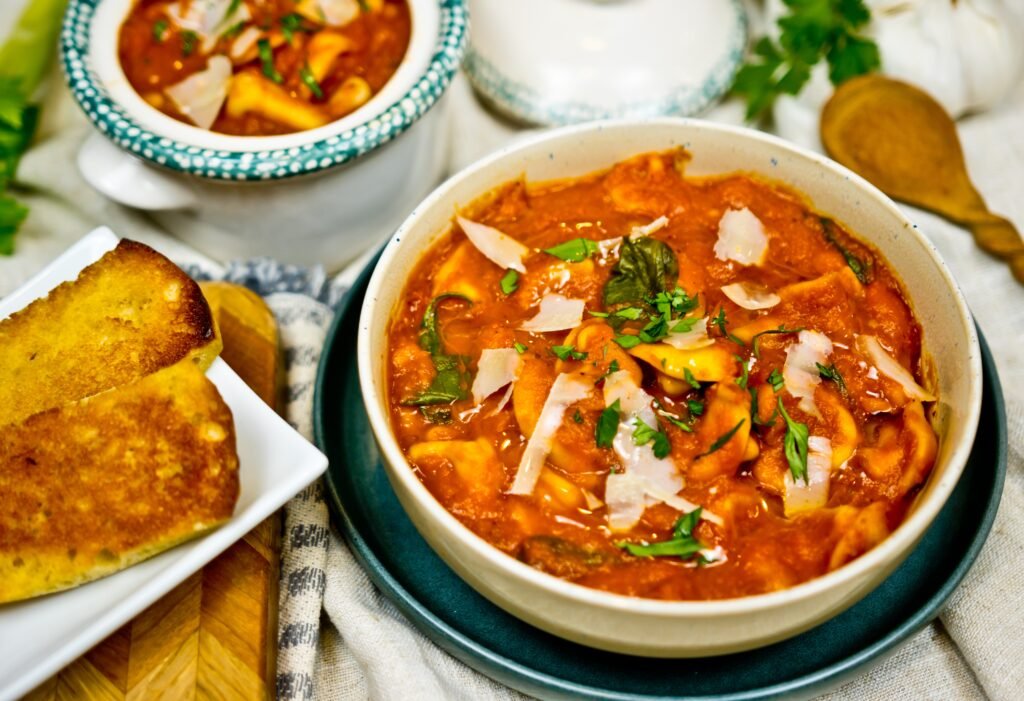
<point x="965" y="53"/>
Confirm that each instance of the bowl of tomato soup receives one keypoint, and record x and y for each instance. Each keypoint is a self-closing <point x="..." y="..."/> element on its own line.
<point x="665" y="387"/>
<point x="297" y="130"/>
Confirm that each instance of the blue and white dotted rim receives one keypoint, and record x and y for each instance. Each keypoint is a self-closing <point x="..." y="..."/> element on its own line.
<point x="219" y="164"/>
<point x="522" y="102"/>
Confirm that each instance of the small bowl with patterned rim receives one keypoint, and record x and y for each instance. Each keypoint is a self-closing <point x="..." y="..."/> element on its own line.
<point x="317" y="196"/>
<point x="558" y="62"/>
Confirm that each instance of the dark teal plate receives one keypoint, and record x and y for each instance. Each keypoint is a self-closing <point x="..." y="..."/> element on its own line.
<point x="450" y="613"/>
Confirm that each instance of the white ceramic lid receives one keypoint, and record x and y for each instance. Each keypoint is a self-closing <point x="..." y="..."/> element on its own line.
<point x="566" y="61"/>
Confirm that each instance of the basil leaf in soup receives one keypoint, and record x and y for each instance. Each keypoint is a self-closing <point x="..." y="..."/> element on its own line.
<point x="574" y="251"/>
<point x="646" y="267"/>
<point x="452" y="374"/>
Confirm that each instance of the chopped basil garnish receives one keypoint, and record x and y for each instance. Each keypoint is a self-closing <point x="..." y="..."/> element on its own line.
<point x="290" y="24"/>
<point x="567" y="352"/>
<point x="612" y="367"/>
<point x="628" y="341"/>
<point x="160" y="30"/>
<point x="776" y="381"/>
<point x="510" y="282"/>
<point x="720" y="321"/>
<point x="745" y="377"/>
<point x="684" y="325"/>
<point x="723" y="439"/>
<point x="676" y="302"/>
<point x="646" y="268"/>
<point x="520" y="348"/>
<point x="575" y="251"/>
<point x="267" y="59"/>
<point x="307" y="78"/>
<point x="860" y="268"/>
<point x="829" y="372"/>
<point x="695" y="407"/>
<point x="577" y="417"/>
<point x="682" y="544"/>
<point x="690" y="379"/>
<point x="452" y="377"/>
<point x="608" y="425"/>
<point x="644" y="434"/>
<point x="756" y="341"/>
<point x="188" y="42"/>
<point x="631" y="313"/>
<point x="599" y="315"/>
<point x="795" y="445"/>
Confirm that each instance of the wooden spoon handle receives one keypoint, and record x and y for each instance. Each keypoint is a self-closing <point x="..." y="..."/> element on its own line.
<point x="1000" y="237"/>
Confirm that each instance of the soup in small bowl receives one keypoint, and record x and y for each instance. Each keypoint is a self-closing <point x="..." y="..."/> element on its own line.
<point x="667" y="388"/>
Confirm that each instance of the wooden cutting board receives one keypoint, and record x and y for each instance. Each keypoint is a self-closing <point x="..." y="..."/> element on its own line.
<point x="214" y="635"/>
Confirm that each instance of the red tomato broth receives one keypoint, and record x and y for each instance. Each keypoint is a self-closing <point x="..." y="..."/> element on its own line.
<point x="552" y="529"/>
<point x="154" y="61"/>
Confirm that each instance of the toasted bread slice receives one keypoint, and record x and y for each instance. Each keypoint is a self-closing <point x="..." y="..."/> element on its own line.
<point x="129" y="314"/>
<point x="96" y="486"/>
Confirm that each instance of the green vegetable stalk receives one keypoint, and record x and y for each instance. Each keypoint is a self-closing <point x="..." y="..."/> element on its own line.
<point x="24" y="61"/>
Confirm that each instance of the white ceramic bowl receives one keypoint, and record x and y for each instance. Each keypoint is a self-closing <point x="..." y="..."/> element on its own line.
<point x="317" y="196"/>
<point x="662" y="628"/>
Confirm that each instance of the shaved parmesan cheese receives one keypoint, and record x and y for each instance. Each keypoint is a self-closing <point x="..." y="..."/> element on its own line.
<point x="626" y="497"/>
<point x="888" y="366"/>
<point x="496" y="368"/>
<point x="648" y="229"/>
<point x="557" y="313"/>
<point x="800" y="372"/>
<point x="200" y="96"/>
<point x="741" y="238"/>
<point x="208" y="18"/>
<point x="635" y="404"/>
<point x="813" y="494"/>
<point x="338" y="13"/>
<point x="499" y="248"/>
<point x="750" y="296"/>
<point x="244" y="42"/>
<point x="567" y="390"/>
<point x="696" y="337"/>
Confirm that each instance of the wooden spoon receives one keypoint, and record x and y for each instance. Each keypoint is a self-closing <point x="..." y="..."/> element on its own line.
<point x="902" y="140"/>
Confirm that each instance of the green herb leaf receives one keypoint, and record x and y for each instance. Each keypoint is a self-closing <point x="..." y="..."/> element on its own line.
<point x="682" y="544"/>
<point x="690" y="379"/>
<point x="644" y="434"/>
<point x="612" y="367"/>
<point x="684" y="325"/>
<point x="267" y="59"/>
<point x="860" y="268"/>
<point x="520" y="348"/>
<point x="745" y="377"/>
<point x="812" y="30"/>
<point x="723" y="439"/>
<point x="189" y="40"/>
<point x="695" y="407"/>
<point x="795" y="445"/>
<point x="509" y="282"/>
<point x="574" y="251"/>
<point x="631" y="313"/>
<point x="776" y="381"/>
<point x="608" y="425"/>
<point x="829" y="372"/>
<point x="628" y="341"/>
<point x="599" y="315"/>
<point x="577" y="417"/>
<point x="567" y="352"/>
<point x="307" y="78"/>
<point x="12" y="214"/>
<point x="160" y="30"/>
<point x="646" y="267"/>
<point x="290" y="24"/>
<point x="755" y="342"/>
<point x="452" y="376"/>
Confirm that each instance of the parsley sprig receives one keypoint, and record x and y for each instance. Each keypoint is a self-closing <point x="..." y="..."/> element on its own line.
<point x="682" y="544"/>
<point x="811" y="31"/>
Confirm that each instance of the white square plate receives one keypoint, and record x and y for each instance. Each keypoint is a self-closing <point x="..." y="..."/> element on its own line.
<point x="40" y="636"/>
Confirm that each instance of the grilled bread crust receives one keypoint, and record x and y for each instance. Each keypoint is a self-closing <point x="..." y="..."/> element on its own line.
<point x="92" y="487"/>
<point x="131" y="313"/>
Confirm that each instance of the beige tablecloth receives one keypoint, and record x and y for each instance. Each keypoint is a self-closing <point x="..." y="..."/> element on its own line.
<point x="365" y="649"/>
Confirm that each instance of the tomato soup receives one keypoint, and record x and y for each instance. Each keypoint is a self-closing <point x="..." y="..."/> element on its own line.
<point x="662" y="386"/>
<point x="262" y="67"/>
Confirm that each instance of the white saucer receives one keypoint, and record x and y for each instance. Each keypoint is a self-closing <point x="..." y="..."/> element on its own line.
<point x="555" y="62"/>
